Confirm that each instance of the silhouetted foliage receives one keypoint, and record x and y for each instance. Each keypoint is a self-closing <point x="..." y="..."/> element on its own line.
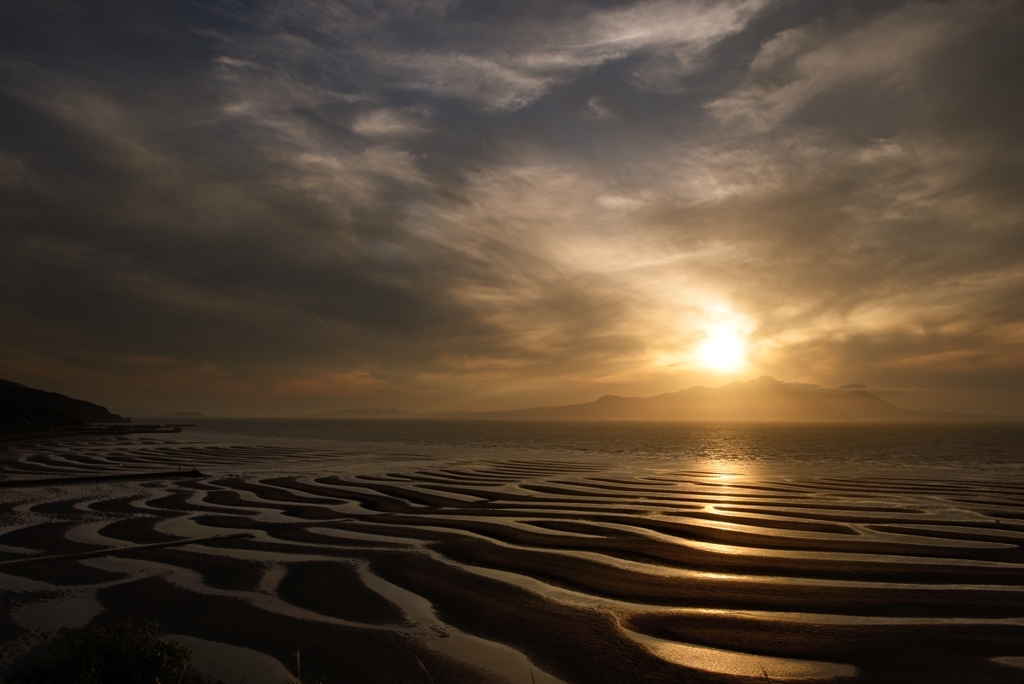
<point x="114" y="655"/>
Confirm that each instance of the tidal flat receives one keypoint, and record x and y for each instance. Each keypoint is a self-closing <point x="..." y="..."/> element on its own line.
<point x="598" y="556"/>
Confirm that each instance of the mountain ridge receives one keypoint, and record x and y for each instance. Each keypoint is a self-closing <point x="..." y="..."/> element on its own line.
<point x="761" y="399"/>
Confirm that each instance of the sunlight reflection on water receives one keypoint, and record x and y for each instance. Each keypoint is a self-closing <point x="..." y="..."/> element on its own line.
<point x="751" y="449"/>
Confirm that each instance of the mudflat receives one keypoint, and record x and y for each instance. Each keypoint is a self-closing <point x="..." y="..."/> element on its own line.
<point x="506" y="569"/>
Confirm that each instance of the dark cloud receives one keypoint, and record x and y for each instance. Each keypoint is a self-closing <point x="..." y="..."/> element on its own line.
<point x="293" y="205"/>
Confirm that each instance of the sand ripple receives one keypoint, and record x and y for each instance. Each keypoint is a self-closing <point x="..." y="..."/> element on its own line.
<point x="540" y="570"/>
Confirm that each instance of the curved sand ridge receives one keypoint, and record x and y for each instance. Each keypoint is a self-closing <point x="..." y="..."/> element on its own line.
<point x="516" y="570"/>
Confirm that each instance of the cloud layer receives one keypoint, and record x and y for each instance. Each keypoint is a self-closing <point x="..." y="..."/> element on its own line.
<point x="298" y="205"/>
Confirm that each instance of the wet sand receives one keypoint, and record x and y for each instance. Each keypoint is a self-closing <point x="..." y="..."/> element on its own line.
<point x="515" y="570"/>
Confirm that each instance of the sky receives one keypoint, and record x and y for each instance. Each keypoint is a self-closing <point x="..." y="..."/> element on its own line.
<point x="289" y="206"/>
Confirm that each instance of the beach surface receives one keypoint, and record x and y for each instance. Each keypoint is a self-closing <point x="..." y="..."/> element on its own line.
<point x="411" y="567"/>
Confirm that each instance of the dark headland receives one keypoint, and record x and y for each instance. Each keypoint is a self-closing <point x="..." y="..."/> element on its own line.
<point x="26" y="412"/>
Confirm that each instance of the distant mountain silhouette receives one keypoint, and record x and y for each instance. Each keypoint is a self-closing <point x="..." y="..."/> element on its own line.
<point x="27" y="410"/>
<point x="763" y="399"/>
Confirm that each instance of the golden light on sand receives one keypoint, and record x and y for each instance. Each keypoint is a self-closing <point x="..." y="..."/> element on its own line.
<point x="722" y="351"/>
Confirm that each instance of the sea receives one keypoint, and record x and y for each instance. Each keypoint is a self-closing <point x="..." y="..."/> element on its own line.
<point x="928" y="450"/>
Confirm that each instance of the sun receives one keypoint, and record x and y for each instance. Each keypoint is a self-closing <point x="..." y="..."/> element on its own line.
<point x="723" y="351"/>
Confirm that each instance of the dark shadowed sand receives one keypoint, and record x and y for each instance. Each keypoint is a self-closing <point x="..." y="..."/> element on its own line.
<point x="501" y="570"/>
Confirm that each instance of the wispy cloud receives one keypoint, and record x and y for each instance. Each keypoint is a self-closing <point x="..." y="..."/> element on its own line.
<point x="431" y="204"/>
<point x="495" y="68"/>
<point x="844" y="51"/>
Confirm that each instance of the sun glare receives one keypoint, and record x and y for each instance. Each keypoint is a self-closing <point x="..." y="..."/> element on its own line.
<point x="722" y="351"/>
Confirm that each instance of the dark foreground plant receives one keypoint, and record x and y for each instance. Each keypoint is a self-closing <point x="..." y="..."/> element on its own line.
<point x="113" y="655"/>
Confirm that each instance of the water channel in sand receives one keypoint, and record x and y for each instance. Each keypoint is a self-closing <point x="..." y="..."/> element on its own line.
<point x="566" y="482"/>
<point x="232" y="663"/>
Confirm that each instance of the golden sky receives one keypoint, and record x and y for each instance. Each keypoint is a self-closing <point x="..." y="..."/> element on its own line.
<point x="293" y="206"/>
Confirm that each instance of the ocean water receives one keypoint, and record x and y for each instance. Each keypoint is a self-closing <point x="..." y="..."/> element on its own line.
<point x="953" y="450"/>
